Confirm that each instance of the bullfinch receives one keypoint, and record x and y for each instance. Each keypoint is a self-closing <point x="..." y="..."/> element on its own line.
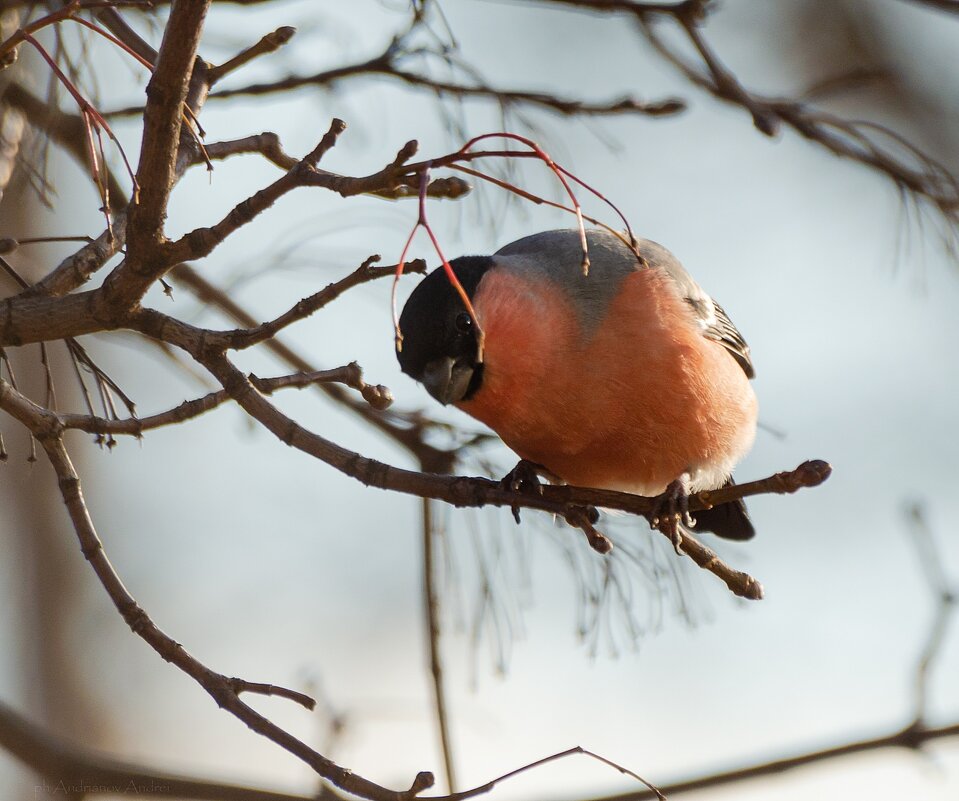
<point x="626" y="377"/>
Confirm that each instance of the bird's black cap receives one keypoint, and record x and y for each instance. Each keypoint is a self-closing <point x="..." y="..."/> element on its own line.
<point x="434" y="323"/>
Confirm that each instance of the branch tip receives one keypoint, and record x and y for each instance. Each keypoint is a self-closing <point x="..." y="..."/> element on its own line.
<point x="405" y="153"/>
<point x="337" y="126"/>
<point x="239" y="686"/>
<point x="423" y="781"/>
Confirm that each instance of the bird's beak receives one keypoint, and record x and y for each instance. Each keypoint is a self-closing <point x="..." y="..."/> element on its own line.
<point x="447" y="380"/>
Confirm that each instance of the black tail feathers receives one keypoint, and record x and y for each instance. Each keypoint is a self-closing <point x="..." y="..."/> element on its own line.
<point x="727" y="520"/>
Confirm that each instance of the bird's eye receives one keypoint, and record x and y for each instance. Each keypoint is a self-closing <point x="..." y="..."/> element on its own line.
<point x="463" y="322"/>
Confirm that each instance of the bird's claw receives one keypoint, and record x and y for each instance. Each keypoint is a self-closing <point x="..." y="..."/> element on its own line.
<point x="671" y="513"/>
<point x="524" y="478"/>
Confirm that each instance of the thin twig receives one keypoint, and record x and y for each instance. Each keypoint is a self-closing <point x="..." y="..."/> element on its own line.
<point x="243" y="686"/>
<point x="220" y="688"/>
<point x="910" y="738"/>
<point x="65" y="765"/>
<point x="394" y="425"/>
<point x="652" y="792"/>
<point x="270" y="43"/>
<point x="246" y="338"/>
<point x="351" y="375"/>
<point x="432" y="614"/>
<point x="946" y="598"/>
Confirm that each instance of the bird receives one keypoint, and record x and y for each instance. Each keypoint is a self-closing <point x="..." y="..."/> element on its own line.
<point x="624" y="376"/>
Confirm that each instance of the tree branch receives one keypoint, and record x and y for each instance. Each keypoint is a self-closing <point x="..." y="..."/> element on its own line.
<point x="224" y="691"/>
<point x="178" y="71"/>
<point x="478" y="492"/>
<point x="366" y="272"/>
<point x="400" y="428"/>
<point x="351" y="375"/>
<point x="909" y="738"/>
<point x="432" y="614"/>
<point x="867" y="143"/>
<point x="70" y="768"/>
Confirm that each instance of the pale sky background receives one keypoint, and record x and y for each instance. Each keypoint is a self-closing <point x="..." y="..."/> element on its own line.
<point x="269" y="565"/>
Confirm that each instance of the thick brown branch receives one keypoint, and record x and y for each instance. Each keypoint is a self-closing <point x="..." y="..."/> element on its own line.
<point x="462" y="491"/>
<point x="25" y="319"/>
<point x="157" y="171"/>
<point x="399" y="429"/>
<point x="223" y="690"/>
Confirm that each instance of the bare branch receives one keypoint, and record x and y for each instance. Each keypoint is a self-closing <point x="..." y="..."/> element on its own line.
<point x="389" y="64"/>
<point x="379" y="397"/>
<point x="224" y="691"/>
<point x="177" y="67"/>
<point x="867" y="143"/>
<point x="399" y="428"/>
<point x="947" y="604"/>
<point x="244" y="686"/>
<point x="221" y="689"/>
<point x="461" y="491"/>
<point x="241" y="339"/>
<point x="432" y="610"/>
<point x="270" y="43"/>
<point x="652" y="792"/>
<point x="910" y="738"/>
<point x="65" y="765"/>
<point x="266" y="144"/>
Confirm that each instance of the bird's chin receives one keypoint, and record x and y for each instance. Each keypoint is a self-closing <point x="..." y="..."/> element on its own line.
<point x="448" y="380"/>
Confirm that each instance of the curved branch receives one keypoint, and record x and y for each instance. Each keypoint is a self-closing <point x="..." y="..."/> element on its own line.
<point x="909" y="738"/>
<point x="870" y="144"/>
<point x="402" y="429"/>
<point x="351" y="375"/>
<point x="179" y="76"/>
<point x="245" y="338"/>
<point x="67" y="766"/>
<point x="477" y="492"/>
<point x="379" y="66"/>
<point x="222" y="689"/>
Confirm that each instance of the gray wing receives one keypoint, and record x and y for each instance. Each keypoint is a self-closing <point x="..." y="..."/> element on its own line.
<point x="715" y="323"/>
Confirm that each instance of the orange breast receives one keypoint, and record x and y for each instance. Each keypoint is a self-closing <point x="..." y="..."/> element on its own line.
<point x="633" y="406"/>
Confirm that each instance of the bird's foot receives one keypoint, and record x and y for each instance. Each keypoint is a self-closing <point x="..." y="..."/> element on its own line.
<point x="671" y="512"/>
<point x="526" y="478"/>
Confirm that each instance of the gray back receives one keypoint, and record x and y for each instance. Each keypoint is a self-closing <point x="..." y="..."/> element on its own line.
<point x="557" y="256"/>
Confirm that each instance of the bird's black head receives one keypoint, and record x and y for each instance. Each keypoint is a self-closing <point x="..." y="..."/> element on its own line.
<point x="439" y="338"/>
